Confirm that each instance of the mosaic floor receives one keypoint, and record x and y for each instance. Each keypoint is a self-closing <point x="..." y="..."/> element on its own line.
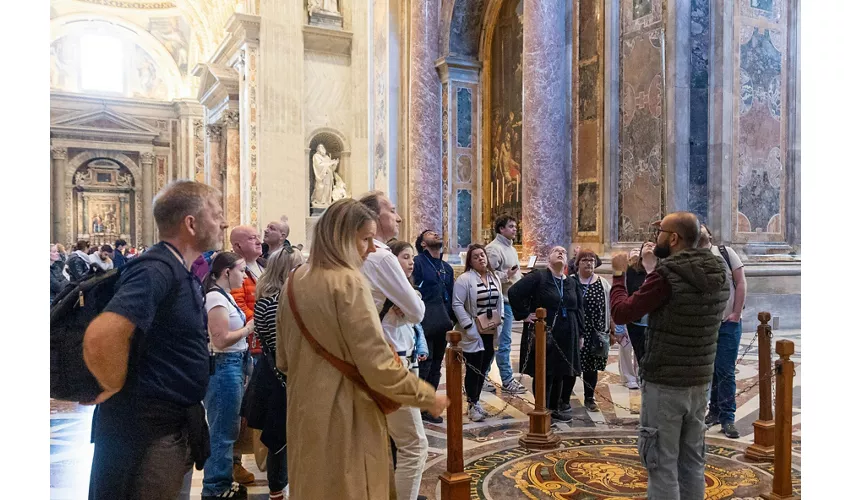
<point x="597" y="458"/>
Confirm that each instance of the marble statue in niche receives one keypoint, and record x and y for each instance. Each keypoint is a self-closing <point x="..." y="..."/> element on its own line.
<point x="340" y="190"/>
<point x="324" y="13"/>
<point x="324" y="169"/>
<point x="326" y="6"/>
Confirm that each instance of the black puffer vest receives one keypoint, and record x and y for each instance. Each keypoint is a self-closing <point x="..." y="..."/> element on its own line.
<point x="681" y="337"/>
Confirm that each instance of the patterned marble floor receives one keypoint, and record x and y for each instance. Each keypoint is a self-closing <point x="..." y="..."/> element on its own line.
<point x="499" y="468"/>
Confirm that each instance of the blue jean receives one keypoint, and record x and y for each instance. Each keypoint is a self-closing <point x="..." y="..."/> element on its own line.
<point x="503" y="352"/>
<point x="276" y="470"/>
<point x="223" y="401"/>
<point x="723" y="384"/>
<point x="671" y="440"/>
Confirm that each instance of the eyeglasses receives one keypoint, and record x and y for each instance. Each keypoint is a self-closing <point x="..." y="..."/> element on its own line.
<point x="588" y="261"/>
<point x="658" y="231"/>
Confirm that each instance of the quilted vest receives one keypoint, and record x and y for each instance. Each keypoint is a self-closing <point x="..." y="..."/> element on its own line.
<point x="681" y="336"/>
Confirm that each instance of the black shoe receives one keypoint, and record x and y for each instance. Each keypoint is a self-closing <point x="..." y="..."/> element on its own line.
<point x="431" y="418"/>
<point x="421" y="497"/>
<point x="236" y="492"/>
<point x="562" y="416"/>
<point x="731" y="431"/>
<point x="711" y="419"/>
<point x="591" y="405"/>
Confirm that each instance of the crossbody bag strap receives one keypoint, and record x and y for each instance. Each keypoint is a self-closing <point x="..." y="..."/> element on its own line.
<point x="347" y="369"/>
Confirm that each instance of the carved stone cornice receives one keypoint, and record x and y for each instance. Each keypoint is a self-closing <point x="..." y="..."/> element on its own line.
<point x="214" y="132"/>
<point x="59" y="153"/>
<point x="230" y="118"/>
<point x="146" y="158"/>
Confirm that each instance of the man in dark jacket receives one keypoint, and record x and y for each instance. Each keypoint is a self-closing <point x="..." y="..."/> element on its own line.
<point x="435" y="280"/>
<point x="118" y="259"/>
<point x="684" y="297"/>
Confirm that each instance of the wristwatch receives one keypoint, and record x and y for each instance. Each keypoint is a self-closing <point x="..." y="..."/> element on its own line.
<point x="618" y="274"/>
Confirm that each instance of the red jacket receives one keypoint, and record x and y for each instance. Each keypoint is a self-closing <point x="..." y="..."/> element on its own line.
<point x="246" y="299"/>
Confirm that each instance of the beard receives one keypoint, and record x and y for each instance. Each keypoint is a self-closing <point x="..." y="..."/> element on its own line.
<point x="434" y="244"/>
<point x="662" y="252"/>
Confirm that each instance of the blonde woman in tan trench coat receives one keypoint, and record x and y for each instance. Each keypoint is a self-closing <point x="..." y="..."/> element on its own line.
<point x="337" y="436"/>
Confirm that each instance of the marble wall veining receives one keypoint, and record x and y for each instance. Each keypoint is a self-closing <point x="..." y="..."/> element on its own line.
<point x="425" y="183"/>
<point x="545" y="166"/>
<point x="760" y="127"/>
<point x="588" y="134"/>
<point x="464" y="218"/>
<point x="699" y="123"/>
<point x="642" y="196"/>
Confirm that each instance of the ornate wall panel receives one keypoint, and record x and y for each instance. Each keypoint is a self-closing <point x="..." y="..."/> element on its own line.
<point x="464" y="167"/>
<point x="587" y="109"/>
<point x="642" y="197"/>
<point x="759" y="123"/>
<point x="698" y="154"/>
<point x="503" y="150"/>
<point x="444" y="145"/>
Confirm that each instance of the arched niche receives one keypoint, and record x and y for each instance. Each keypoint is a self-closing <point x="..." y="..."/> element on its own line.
<point x="82" y="23"/>
<point x="337" y="147"/>
<point x="103" y="200"/>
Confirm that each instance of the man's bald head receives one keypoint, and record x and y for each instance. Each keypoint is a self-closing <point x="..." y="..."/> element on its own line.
<point x="246" y="242"/>
<point x="684" y="226"/>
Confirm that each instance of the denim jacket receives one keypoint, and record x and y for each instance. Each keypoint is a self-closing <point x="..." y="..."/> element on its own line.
<point x="420" y="345"/>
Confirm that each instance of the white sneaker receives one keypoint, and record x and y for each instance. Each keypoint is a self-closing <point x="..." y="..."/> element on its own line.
<point x="476" y="413"/>
<point x="514" y="387"/>
<point x="488" y="386"/>
<point x="632" y="384"/>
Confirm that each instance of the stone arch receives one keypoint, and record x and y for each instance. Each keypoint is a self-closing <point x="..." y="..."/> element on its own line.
<point x="326" y="132"/>
<point x="461" y="27"/>
<point x="77" y="23"/>
<point x="86" y="156"/>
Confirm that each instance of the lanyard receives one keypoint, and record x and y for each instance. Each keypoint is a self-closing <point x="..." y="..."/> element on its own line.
<point x="559" y="287"/>
<point x="440" y="276"/>
<point x="585" y="286"/>
<point x="174" y="249"/>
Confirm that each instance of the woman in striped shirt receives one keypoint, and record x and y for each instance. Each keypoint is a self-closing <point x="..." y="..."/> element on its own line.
<point x="267" y="411"/>
<point x="477" y="302"/>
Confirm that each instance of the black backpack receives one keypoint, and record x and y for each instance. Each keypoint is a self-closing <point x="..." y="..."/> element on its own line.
<point x="72" y="311"/>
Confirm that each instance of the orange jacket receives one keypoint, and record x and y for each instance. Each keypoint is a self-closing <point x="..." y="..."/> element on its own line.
<point x="246" y="299"/>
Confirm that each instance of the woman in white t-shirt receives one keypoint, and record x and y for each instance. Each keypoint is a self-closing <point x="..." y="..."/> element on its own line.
<point x="228" y="330"/>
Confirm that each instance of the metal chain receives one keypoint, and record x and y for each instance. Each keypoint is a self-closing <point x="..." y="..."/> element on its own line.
<point x="618" y="421"/>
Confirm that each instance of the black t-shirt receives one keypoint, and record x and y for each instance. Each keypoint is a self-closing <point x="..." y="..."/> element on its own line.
<point x="167" y="306"/>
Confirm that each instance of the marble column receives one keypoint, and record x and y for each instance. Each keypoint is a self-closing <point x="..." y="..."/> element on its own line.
<point x="60" y="161"/>
<point x="545" y="159"/>
<point x="425" y="184"/>
<point x="233" y="212"/>
<point x="147" y="197"/>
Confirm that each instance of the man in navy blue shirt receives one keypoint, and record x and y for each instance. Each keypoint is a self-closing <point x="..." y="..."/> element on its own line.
<point x="435" y="279"/>
<point x="148" y="350"/>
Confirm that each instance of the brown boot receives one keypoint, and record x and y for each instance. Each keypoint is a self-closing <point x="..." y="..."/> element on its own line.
<point x="241" y="475"/>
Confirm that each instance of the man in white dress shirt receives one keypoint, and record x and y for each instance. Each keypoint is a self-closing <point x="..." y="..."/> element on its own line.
<point x="388" y="282"/>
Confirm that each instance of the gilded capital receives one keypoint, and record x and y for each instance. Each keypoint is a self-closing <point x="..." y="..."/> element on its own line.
<point x="59" y="153"/>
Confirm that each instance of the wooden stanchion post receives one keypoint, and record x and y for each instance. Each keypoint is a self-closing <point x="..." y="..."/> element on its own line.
<point x="540" y="435"/>
<point x="454" y="482"/>
<point x="762" y="448"/>
<point x="782" y="489"/>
